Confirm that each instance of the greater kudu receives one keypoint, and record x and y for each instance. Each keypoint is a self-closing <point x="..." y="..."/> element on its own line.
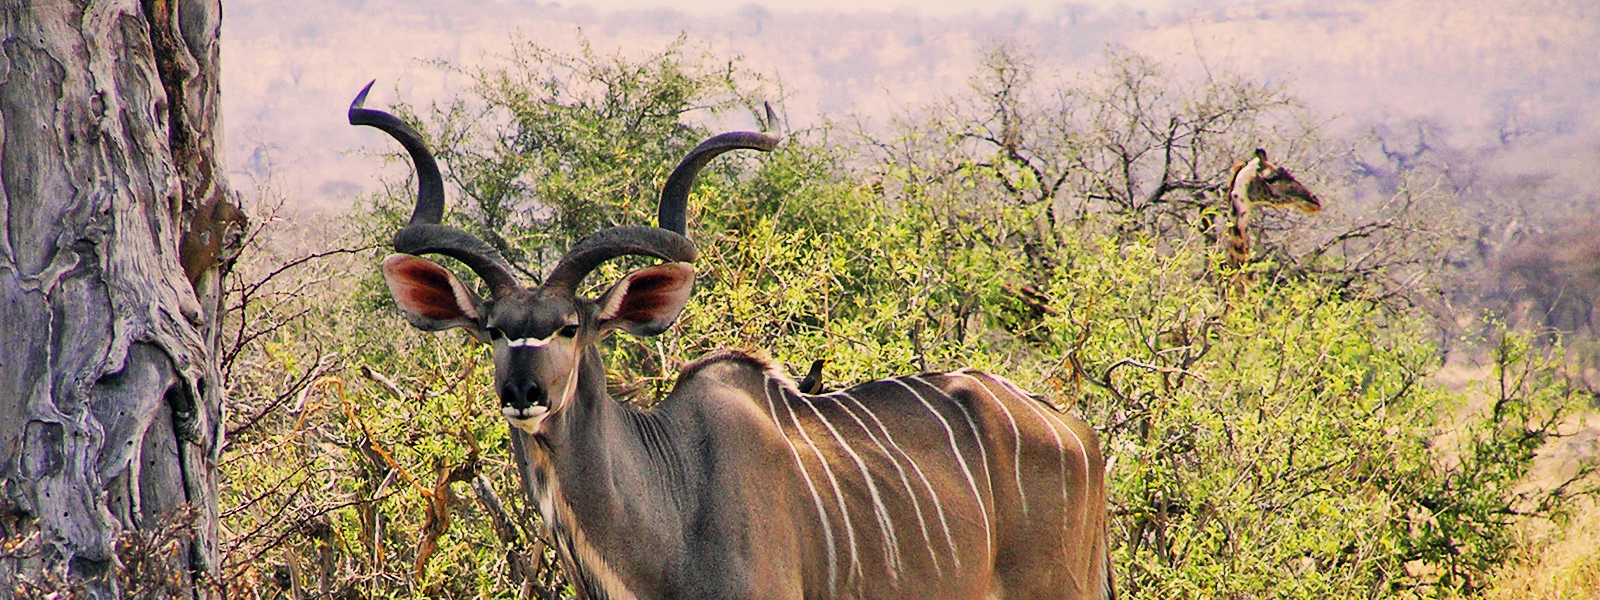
<point x="736" y="485"/>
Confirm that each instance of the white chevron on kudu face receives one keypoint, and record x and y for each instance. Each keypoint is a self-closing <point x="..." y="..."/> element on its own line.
<point x="954" y="486"/>
<point x="530" y="342"/>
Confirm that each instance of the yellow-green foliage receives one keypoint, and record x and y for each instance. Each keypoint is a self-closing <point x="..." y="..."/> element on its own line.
<point x="1270" y="439"/>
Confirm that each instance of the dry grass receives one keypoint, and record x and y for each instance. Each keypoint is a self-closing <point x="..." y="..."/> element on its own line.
<point x="1557" y="561"/>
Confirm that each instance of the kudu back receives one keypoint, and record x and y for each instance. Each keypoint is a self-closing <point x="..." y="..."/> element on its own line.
<point x="942" y="485"/>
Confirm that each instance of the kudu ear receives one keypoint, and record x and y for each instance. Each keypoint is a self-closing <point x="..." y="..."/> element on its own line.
<point x="431" y="298"/>
<point x="647" y="301"/>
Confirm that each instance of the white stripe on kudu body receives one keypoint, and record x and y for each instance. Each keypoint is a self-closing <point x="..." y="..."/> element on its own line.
<point x="866" y="445"/>
<point x="1016" y="437"/>
<point x="1053" y="422"/>
<point x="916" y="504"/>
<point x="885" y="525"/>
<point x="988" y="533"/>
<point x="822" y="514"/>
<point x="838" y="494"/>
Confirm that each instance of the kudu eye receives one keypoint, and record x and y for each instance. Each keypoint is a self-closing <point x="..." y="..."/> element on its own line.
<point x="569" y="331"/>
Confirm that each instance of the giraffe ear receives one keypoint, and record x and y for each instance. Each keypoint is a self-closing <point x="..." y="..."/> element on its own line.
<point x="1261" y="153"/>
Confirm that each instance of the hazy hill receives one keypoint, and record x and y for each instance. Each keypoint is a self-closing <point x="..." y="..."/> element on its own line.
<point x="1509" y="85"/>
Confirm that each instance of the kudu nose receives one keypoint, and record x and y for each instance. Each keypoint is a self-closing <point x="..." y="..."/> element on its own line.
<point x="522" y="395"/>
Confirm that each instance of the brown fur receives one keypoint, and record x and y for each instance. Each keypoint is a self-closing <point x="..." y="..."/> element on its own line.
<point x="211" y="239"/>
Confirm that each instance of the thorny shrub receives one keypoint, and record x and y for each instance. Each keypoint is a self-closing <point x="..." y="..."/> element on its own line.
<point x="1282" y="440"/>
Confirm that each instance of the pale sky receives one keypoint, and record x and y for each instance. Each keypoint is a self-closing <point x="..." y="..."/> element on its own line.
<point x="932" y="7"/>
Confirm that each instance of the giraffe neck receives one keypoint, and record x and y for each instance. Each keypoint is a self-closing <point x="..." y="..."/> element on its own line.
<point x="1239" y="203"/>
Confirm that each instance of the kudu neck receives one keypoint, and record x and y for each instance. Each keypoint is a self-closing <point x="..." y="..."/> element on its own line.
<point x="616" y="477"/>
<point x="598" y="429"/>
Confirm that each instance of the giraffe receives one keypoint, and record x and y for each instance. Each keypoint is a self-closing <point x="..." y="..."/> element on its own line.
<point x="1259" y="182"/>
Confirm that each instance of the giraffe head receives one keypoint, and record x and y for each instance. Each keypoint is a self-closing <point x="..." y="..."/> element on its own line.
<point x="1266" y="184"/>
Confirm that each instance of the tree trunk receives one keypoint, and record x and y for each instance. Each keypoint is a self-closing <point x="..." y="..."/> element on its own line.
<point x="116" y="228"/>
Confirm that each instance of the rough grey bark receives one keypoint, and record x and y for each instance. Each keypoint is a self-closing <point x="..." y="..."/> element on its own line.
<point x="116" y="227"/>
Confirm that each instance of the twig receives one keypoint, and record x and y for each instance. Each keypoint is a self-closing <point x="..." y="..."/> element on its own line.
<point x="1151" y="368"/>
<point x="393" y="388"/>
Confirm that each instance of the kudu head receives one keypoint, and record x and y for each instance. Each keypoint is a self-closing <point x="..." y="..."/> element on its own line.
<point x="540" y="334"/>
<point x="1271" y="185"/>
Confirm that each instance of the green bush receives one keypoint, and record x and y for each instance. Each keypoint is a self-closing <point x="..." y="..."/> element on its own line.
<point x="1282" y="439"/>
